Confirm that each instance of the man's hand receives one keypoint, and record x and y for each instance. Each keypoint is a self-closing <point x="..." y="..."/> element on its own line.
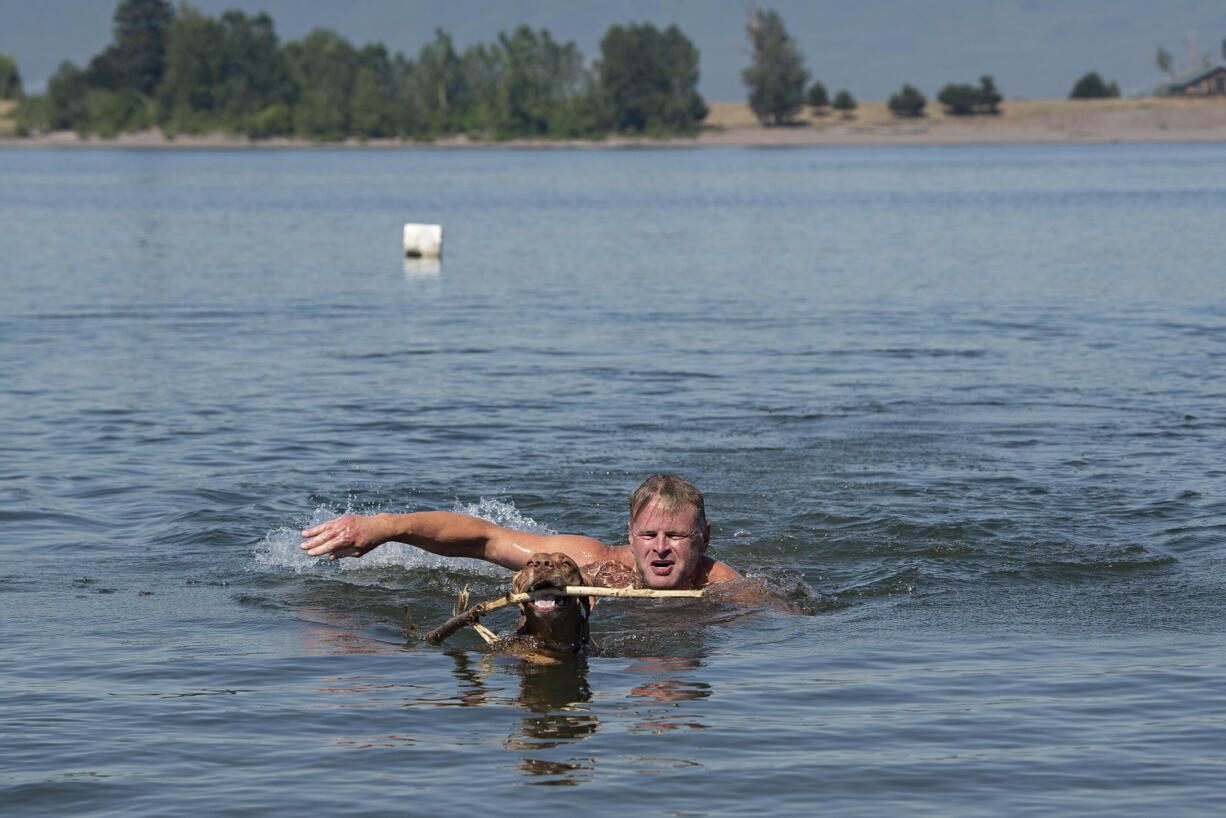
<point x="351" y="535"/>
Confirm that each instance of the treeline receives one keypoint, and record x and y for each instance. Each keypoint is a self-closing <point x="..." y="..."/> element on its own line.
<point x="779" y="86"/>
<point x="778" y="82"/>
<point x="186" y="72"/>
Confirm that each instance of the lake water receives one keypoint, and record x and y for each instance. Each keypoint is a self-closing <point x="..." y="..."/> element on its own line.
<point x="959" y="415"/>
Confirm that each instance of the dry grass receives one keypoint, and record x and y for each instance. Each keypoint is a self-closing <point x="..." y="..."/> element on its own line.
<point x="7" y="124"/>
<point x="1147" y="119"/>
<point x="1013" y="111"/>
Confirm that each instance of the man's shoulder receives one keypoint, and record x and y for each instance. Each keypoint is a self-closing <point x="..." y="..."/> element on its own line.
<point x="610" y="574"/>
<point x="613" y="569"/>
<point x="716" y="571"/>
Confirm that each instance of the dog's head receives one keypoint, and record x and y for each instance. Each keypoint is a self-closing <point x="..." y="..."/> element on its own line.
<point x="555" y="621"/>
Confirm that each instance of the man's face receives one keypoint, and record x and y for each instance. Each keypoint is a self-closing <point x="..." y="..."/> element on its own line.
<point x="667" y="548"/>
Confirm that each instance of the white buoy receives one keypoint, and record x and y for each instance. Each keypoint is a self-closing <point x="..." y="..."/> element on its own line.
<point x="423" y="240"/>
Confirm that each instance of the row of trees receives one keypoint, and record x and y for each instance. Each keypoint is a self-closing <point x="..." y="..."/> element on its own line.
<point x="777" y="80"/>
<point x="777" y="76"/>
<point x="963" y="99"/>
<point x="959" y="99"/>
<point x="189" y="72"/>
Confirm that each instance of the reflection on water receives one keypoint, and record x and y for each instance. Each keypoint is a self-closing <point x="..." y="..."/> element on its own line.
<point x="422" y="267"/>
<point x="553" y="705"/>
<point x="322" y="640"/>
<point x="557" y="773"/>
<point x="668" y="683"/>
<point x="555" y="698"/>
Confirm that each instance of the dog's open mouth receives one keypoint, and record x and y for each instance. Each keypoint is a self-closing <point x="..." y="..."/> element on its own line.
<point x="544" y="602"/>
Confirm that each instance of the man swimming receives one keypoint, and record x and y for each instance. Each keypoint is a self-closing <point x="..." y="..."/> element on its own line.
<point x="668" y="539"/>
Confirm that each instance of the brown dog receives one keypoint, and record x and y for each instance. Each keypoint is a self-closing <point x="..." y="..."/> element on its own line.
<point x="555" y="623"/>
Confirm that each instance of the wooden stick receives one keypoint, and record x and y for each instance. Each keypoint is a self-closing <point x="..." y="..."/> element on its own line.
<point x="472" y="615"/>
<point x="481" y="609"/>
<point x="485" y="633"/>
<point x="628" y="593"/>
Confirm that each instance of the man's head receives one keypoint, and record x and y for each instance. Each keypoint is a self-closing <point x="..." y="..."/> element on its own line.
<point x="669" y="531"/>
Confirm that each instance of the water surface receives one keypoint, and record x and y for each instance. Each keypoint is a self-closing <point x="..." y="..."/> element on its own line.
<point x="958" y="414"/>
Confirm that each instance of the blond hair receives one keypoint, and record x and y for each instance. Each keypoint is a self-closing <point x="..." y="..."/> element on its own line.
<point x="670" y="494"/>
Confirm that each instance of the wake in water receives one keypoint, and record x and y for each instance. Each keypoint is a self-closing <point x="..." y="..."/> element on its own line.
<point x="279" y="549"/>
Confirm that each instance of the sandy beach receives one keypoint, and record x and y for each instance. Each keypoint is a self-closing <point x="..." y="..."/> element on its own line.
<point x="733" y="124"/>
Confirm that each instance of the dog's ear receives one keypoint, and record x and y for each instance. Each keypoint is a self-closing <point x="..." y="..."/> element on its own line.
<point x="519" y="582"/>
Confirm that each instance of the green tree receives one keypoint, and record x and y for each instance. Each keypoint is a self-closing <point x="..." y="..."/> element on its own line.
<point x="137" y="57"/>
<point x="438" y="95"/>
<point x="776" y="76"/>
<point x="480" y="70"/>
<point x="1165" y="62"/>
<point x="648" y="79"/>
<point x="539" y="77"/>
<point x="222" y="74"/>
<point x="66" y="107"/>
<point x="323" y="65"/>
<point x="370" y="105"/>
<point x="254" y="75"/>
<point x="965" y="99"/>
<point x="817" y="96"/>
<point x="1091" y="86"/>
<point x="10" y="78"/>
<point x="908" y="102"/>
<point x="845" y="103"/>
<point x="191" y="94"/>
<point x="112" y="112"/>
<point x="989" y="97"/>
<point x="958" y="99"/>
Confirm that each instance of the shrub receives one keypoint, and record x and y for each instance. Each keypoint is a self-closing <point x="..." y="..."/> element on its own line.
<point x="817" y="96"/>
<point x="908" y="102"/>
<point x="275" y="120"/>
<point x="965" y="99"/>
<point x="1091" y="86"/>
<point x="844" y="102"/>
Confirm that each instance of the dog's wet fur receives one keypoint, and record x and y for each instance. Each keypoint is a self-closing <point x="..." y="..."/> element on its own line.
<point x="554" y="624"/>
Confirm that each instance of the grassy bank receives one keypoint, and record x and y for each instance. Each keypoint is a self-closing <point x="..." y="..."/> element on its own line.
<point x="1149" y="119"/>
<point x="1016" y="111"/>
<point x="7" y="124"/>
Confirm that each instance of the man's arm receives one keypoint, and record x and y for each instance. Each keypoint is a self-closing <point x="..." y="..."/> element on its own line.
<point x="445" y="534"/>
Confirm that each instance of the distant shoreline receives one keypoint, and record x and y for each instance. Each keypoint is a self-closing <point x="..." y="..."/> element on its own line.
<point x="731" y="124"/>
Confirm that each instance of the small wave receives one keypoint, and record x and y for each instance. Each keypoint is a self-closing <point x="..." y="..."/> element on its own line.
<point x="279" y="549"/>
<point x="503" y="514"/>
<point x="891" y="583"/>
<point x="1095" y="568"/>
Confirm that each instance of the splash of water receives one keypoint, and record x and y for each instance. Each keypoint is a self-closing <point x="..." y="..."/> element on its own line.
<point x="279" y="549"/>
